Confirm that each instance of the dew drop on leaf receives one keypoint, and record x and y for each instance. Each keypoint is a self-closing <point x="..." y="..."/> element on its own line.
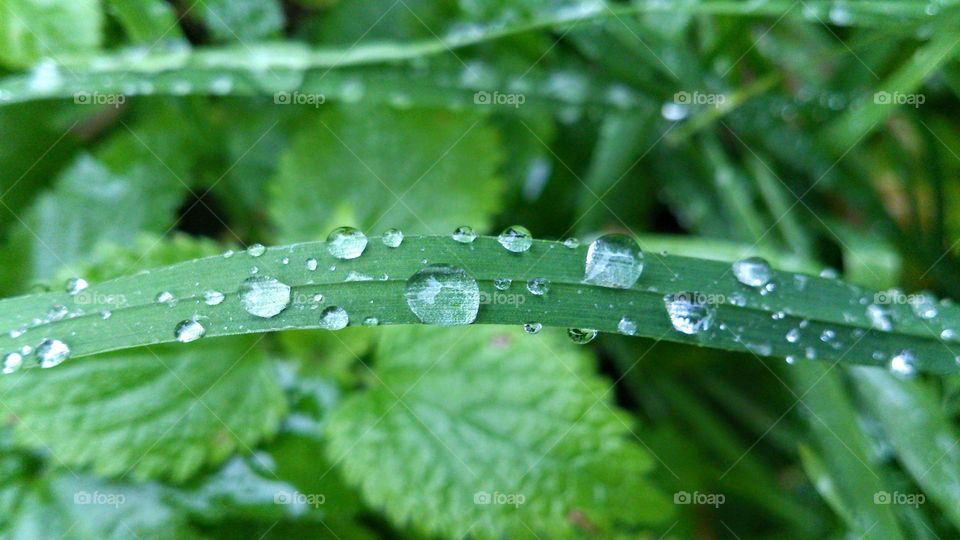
<point x="581" y="336"/>
<point x="75" y="285"/>
<point x="793" y="335"/>
<point x="346" y="243"/>
<point x="903" y="364"/>
<point x="190" y="330"/>
<point x="538" y="286"/>
<point x="516" y="239"/>
<point x="264" y="296"/>
<point x="627" y="326"/>
<point x="879" y="318"/>
<point x="212" y="298"/>
<point x="753" y="272"/>
<point x="443" y="295"/>
<point x="613" y="260"/>
<point x="256" y="250"/>
<point x="12" y="362"/>
<point x="166" y="298"/>
<point x="532" y="327"/>
<point x="371" y="321"/>
<point x="688" y="312"/>
<point x="464" y="234"/>
<point x="392" y="238"/>
<point x="52" y="352"/>
<point x="502" y="284"/>
<point x="57" y="312"/>
<point x="312" y="264"/>
<point x="334" y="318"/>
<point x="829" y="273"/>
<point x="924" y="305"/>
<point x="571" y="243"/>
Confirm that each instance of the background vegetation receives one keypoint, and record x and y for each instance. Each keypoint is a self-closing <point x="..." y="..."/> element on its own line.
<point x="141" y="133"/>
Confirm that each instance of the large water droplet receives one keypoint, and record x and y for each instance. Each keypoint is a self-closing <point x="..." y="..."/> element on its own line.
<point x="903" y="364"/>
<point x="613" y="260"/>
<point x="689" y="313"/>
<point x="334" y="318"/>
<point x="346" y="243"/>
<point x="444" y="295"/>
<point x="264" y="296"/>
<point x="392" y="238"/>
<point x="12" y="362"/>
<point x="581" y="336"/>
<point x="516" y="239"/>
<point x="753" y="271"/>
<point x="538" y="286"/>
<point x="75" y="285"/>
<point x="190" y="330"/>
<point x="627" y="326"/>
<point x="212" y="298"/>
<point x="52" y="352"/>
<point x="464" y="234"/>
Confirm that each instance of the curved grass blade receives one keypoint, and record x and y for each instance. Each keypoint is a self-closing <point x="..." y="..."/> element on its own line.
<point x="829" y="315"/>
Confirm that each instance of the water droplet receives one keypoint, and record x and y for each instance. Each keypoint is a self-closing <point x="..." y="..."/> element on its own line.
<point x="285" y="261"/>
<point x="52" y="352"/>
<point x="264" y="296"/>
<point x="627" y="326"/>
<point x="318" y="298"/>
<point x="190" y="330"/>
<point x="903" y="364"/>
<point x="613" y="260"/>
<point x="12" y="362"/>
<point x="516" y="239"/>
<point x="227" y="254"/>
<point x="829" y="273"/>
<point x="57" y="312"/>
<point x="581" y="336"/>
<point x="538" y="286"/>
<point x="371" y="321"/>
<point x="791" y="359"/>
<point x="75" y="285"/>
<point x="753" y="271"/>
<point x="334" y="318"/>
<point x="532" y="327"/>
<point x="688" y="312"/>
<point x="948" y="334"/>
<point x="793" y="335"/>
<point x="212" y="298"/>
<point x="924" y="305"/>
<point x="166" y="297"/>
<point x="346" y="243"/>
<point x="827" y="335"/>
<point x="444" y="295"/>
<point x="312" y="264"/>
<point x="879" y="317"/>
<point x="502" y="284"/>
<point x="392" y="238"/>
<point x="571" y="243"/>
<point x="465" y="235"/>
<point x="256" y="250"/>
<point x="16" y="332"/>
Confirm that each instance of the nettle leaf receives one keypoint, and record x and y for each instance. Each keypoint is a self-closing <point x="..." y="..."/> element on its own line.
<point x="35" y="29"/>
<point x="378" y="167"/>
<point x="491" y="433"/>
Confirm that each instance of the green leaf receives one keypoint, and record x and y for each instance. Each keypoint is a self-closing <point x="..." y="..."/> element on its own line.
<point x="35" y="29"/>
<point x="379" y="168"/>
<point x="147" y="21"/>
<point x="242" y="20"/>
<point x="469" y="414"/>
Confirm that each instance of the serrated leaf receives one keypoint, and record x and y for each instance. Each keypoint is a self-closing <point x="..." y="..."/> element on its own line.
<point x="379" y="168"/>
<point x="492" y="433"/>
<point x="34" y="29"/>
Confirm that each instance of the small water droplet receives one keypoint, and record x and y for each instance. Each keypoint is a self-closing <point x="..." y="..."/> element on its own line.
<point x="371" y="321"/>
<point x="879" y="317"/>
<point x="166" y="298"/>
<point x="924" y="305"/>
<point x="903" y="364"/>
<point x="464" y="234"/>
<point x="581" y="336"/>
<point x="827" y="335"/>
<point x="189" y="330"/>
<point x="264" y="296"/>
<point x="793" y="335"/>
<point x="516" y="239"/>
<point x="613" y="260"/>
<point x="52" y="352"/>
<point x="532" y="327"/>
<point x="212" y="298"/>
<point x="948" y="334"/>
<point x="572" y="243"/>
<point x="227" y="254"/>
<point x="392" y="238"/>
<point x="312" y="264"/>
<point x="502" y="284"/>
<point x="753" y="272"/>
<point x="12" y="362"/>
<point x="285" y="261"/>
<point x="17" y="332"/>
<point x="334" y="318"/>
<point x="318" y="298"/>
<point x="444" y="295"/>
<point x="538" y="286"/>
<point x="57" y="312"/>
<point x="346" y="243"/>
<point x="689" y="313"/>
<point x="256" y="250"/>
<point x="791" y="359"/>
<point x="829" y="273"/>
<point x="627" y="326"/>
<point x="106" y="314"/>
<point x="75" y="285"/>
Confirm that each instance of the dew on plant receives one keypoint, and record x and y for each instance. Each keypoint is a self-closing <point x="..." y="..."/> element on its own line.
<point x="392" y="238"/>
<point x="464" y="234"/>
<point x="371" y="321"/>
<point x="502" y="284"/>
<point x="318" y="298"/>
<point x="538" y="286"/>
<point x="12" y="362"/>
<point x="880" y="318"/>
<point x="189" y="330"/>
<point x="532" y="327"/>
<point x="212" y="298"/>
<point x="51" y="353"/>
<point x="57" y="312"/>
<point x="264" y="296"/>
<point x="444" y="295"/>
<point x="581" y="336"/>
<point x="924" y="305"/>
<point x="227" y="254"/>
<point x="613" y="260"/>
<point x="165" y="298"/>
<point x="753" y="272"/>
<point x="334" y="318"/>
<point x="353" y="275"/>
<point x="285" y="261"/>
<point x="76" y="284"/>
<point x="106" y="314"/>
<point x="312" y="264"/>
<point x="948" y="334"/>
<point x="256" y="250"/>
<point x="571" y="243"/>
<point x="903" y="364"/>
<point x="346" y="243"/>
<point x="516" y="239"/>
<point x="830" y="273"/>
<point x="627" y="326"/>
<point x="793" y="335"/>
<point x="689" y="313"/>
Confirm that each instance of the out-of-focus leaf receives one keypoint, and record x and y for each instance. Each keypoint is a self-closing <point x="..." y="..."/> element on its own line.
<point x="241" y="21"/>
<point x="147" y="21"/>
<point x="35" y="29"/>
